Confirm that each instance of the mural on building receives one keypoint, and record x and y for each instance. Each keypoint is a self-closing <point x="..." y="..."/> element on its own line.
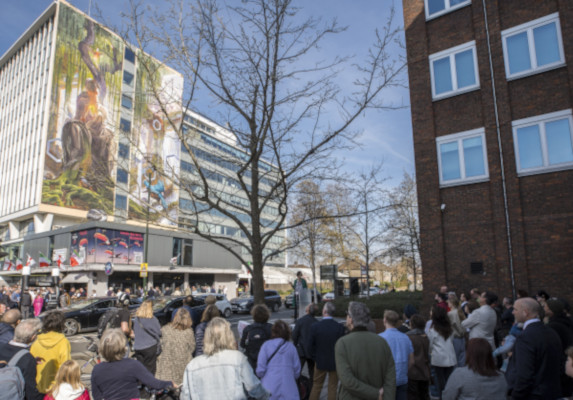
<point x="157" y="148"/>
<point x="98" y="246"/>
<point x="84" y="112"/>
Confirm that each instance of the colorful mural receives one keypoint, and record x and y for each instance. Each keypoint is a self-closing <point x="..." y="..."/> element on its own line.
<point x="157" y="148"/>
<point x="98" y="246"/>
<point x="84" y="112"/>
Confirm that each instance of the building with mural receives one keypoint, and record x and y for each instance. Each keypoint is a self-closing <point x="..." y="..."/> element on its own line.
<point x="90" y="157"/>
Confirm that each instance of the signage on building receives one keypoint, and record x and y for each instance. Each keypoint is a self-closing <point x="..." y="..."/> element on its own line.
<point x="60" y="254"/>
<point x="108" y="269"/>
<point x="328" y="272"/>
<point x="143" y="270"/>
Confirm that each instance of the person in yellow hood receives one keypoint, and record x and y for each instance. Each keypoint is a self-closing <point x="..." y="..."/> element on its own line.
<point x="51" y="348"/>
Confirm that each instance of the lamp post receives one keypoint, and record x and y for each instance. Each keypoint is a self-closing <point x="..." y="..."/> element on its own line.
<point x="146" y="242"/>
<point x="56" y="280"/>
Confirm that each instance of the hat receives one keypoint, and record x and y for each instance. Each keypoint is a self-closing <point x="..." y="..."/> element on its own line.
<point x="409" y="310"/>
<point x="556" y="306"/>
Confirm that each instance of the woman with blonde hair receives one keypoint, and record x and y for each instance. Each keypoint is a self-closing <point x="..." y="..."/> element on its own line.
<point x="222" y="372"/>
<point x="147" y="336"/>
<point x="456" y="316"/>
<point x="178" y="344"/>
<point x="210" y="312"/>
<point x="67" y="385"/>
<point x="119" y="377"/>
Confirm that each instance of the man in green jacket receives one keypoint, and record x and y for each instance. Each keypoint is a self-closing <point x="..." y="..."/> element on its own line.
<point x="364" y="361"/>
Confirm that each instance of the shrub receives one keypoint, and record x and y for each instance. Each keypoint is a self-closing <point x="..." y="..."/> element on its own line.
<point x="377" y="304"/>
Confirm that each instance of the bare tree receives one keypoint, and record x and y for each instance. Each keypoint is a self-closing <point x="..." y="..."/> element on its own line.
<point x="256" y="60"/>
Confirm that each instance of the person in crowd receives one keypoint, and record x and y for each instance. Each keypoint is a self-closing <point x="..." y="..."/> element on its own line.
<point x="196" y="315"/>
<point x="210" y="312"/>
<point x="402" y="351"/>
<point x="563" y="326"/>
<point x="301" y="338"/>
<point x="64" y="300"/>
<point x="463" y="302"/>
<point x="119" y="377"/>
<point x="442" y="301"/>
<point x="323" y="338"/>
<point x="442" y="353"/>
<point x="456" y="316"/>
<point x="255" y="334"/>
<point x="479" y="379"/>
<point x="52" y="348"/>
<point x="419" y="373"/>
<point x="542" y="297"/>
<point x="24" y="334"/>
<point x="67" y="385"/>
<point x="178" y="345"/>
<point x="110" y="292"/>
<point x="221" y="372"/>
<point x="535" y="366"/>
<point x="25" y="304"/>
<point x="147" y="336"/>
<point x="507" y="319"/>
<point x="124" y="314"/>
<point x="409" y="310"/>
<point x="278" y="364"/>
<point x="507" y="344"/>
<point x="38" y="304"/>
<point x="364" y="361"/>
<point x="300" y="286"/>
<point x="522" y="294"/>
<point x="10" y="320"/>
<point x="444" y="289"/>
<point x="475" y="294"/>
<point x="482" y="322"/>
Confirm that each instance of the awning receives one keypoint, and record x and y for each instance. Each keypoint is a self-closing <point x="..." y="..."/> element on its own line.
<point x="76" y="278"/>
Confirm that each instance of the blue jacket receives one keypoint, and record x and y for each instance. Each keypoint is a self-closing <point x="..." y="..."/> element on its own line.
<point x="279" y="375"/>
<point x="323" y="338"/>
<point x="6" y="332"/>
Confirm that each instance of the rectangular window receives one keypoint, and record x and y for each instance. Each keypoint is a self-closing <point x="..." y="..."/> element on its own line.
<point x="120" y="202"/>
<point x="124" y="124"/>
<point x="454" y="71"/>
<point x="126" y="102"/>
<point x="129" y="55"/>
<point x="128" y="78"/>
<point x="122" y="175"/>
<point x="123" y="151"/>
<point x="462" y="158"/>
<point x="435" y="8"/>
<point x="533" y="47"/>
<point x="544" y="143"/>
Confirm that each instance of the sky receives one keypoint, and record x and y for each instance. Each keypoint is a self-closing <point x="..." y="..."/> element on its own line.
<point x="386" y="135"/>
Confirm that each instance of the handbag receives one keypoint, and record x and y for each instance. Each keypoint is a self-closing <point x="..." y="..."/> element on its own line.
<point x="158" y="348"/>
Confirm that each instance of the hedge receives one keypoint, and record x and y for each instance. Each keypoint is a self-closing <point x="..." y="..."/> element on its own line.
<point x="378" y="303"/>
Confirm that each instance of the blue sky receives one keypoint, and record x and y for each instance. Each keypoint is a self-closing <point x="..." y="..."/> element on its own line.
<point x="386" y="135"/>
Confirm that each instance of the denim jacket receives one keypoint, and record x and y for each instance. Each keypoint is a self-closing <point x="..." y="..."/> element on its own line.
<point x="225" y="375"/>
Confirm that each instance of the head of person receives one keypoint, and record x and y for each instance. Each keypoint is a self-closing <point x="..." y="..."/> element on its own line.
<point x="542" y="295"/>
<point x="27" y="330"/>
<point x="358" y="315"/>
<point x="210" y="312"/>
<point x="188" y="301"/>
<point x="479" y="357"/>
<point x="475" y="293"/>
<point x="260" y="313"/>
<point x="409" y="310"/>
<point x="54" y="321"/>
<point x="123" y="300"/>
<point x="328" y="309"/>
<point x="526" y="309"/>
<point x="441" y="297"/>
<point x="507" y="302"/>
<point x="554" y="308"/>
<point x="444" y="289"/>
<point x="487" y="297"/>
<point x="453" y="301"/>
<point x="391" y="319"/>
<point x="145" y="310"/>
<point x="463" y="297"/>
<point x="281" y="330"/>
<point x="522" y="293"/>
<point x="12" y="317"/>
<point x="182" y="320"/>
<point x="417" y="322"/>
<point x="440" y="321"/>
<point x="218" y="337"/>
<point x="299" y="274"/>
<point x="569" y="364"/>
<point x="112" y="345"/>
<point x="312" y="309"/>
<point x="69" y="373"/>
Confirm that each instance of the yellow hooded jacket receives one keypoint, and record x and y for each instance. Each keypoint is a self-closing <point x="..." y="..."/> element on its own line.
<point x="54" y="349"/>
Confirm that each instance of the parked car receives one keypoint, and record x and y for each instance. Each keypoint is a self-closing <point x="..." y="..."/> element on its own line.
<point x="290" y="298"/>
<point x="330" y="295"/>
<point x="245" y="302"/>
<point x="163" y="307"/>
<point x="373" y="291"/>
<point x="222" y="303"/>
<point x="83" y="315"/>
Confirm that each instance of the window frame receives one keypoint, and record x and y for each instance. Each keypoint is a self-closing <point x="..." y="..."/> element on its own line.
<point x="448" y="9"/>
<point x="541" y="121"/>
<point x="528" y="28"/>
<point x="450" y="53"/>
<point x="459" y="137"/>
<point x="118" y="196"/>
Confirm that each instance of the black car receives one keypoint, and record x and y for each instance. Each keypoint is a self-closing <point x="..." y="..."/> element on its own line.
<point x="163" y="307"/>
<point x="83" y="315"/>
<point x="290" y="298"/>
<point x="245" y="302"/>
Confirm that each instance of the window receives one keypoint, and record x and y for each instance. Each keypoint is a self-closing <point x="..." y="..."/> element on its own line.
<point x="128" y="78"/>
<point x="123" y="151"/>
<point x="435" y="8"/>
<point x="454" y="71"/>
<point x="462" y="158"/>
<point x="124" y="124"/>
<point x="182" y="251"/>
<point x="533" y="47"/>
<point x="129" y="55"/>
<point x="120" y="202"/>
<point x="543" y="143"/>
<point x="126" y="102"/>
<point x="121" y="175"/>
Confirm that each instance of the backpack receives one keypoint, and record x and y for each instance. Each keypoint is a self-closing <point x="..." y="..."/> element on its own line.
<point x="255" y="339"/>
<point x="12" y="383"/>
<point x="111" y="319"/>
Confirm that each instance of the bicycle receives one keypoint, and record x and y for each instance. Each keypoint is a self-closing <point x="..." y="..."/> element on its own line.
<point x="87" y="367"/>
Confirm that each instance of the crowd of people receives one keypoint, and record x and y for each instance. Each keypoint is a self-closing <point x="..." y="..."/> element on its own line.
<point x="471" y="346"/>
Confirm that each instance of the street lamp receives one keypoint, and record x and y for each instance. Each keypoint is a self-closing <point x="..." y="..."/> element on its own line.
<point x="146" y="241"/>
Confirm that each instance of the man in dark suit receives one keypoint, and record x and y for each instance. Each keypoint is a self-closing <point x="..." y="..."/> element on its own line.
<point x="535" y="367"/>
<point x="301" y="338"/>
<point x="323" y="337"/>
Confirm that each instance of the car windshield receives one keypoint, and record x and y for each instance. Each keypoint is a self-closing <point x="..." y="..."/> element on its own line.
<point x="76" y="305"/>
<point x="159" y="304"/>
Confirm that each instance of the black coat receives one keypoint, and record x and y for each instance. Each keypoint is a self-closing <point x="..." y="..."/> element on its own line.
<point x="301" y="335"/>
<point x="323" y="337"/>
<point x="535" y="367"/>
<point x="27" y="365"/>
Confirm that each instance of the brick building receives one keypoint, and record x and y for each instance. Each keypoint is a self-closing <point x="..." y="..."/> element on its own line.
<point x="491" y="97"/>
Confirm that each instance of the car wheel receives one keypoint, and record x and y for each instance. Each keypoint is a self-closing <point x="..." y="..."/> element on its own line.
<point x="227" y="312"/>
<point x="71" y="327"/>
<point x="276" y="307"/>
